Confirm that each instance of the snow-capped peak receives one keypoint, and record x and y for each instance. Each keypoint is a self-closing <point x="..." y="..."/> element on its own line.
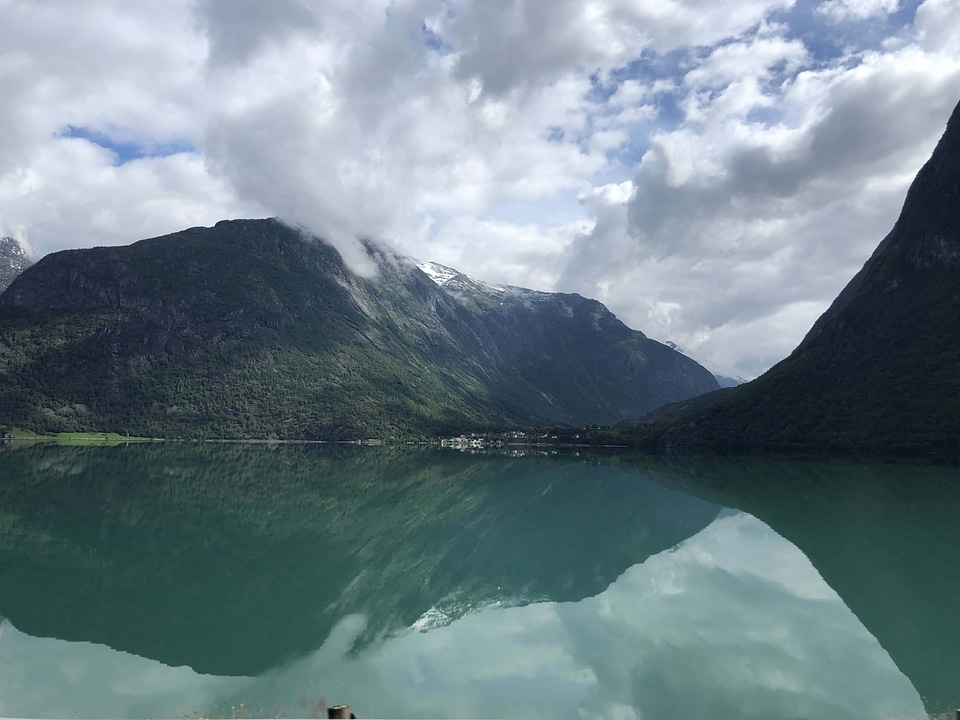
<point x="440" y="274"/>
<point x="457" y="282"/>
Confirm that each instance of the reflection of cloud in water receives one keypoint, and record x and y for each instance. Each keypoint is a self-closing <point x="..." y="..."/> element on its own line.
<point x="47" y="678"/>
<point x="734" y="623"/>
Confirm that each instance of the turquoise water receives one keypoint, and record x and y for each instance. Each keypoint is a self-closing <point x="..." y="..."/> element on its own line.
<point x="219" y="581"/>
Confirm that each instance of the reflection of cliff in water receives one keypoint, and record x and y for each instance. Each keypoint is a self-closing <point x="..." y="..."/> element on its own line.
<point x="233" y="559"/>
<point x="884" y="537"/>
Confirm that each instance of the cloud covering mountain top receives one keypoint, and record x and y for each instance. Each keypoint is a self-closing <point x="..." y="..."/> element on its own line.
<point x="713" y="173"/>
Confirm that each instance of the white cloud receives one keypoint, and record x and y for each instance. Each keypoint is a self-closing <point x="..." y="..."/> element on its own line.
<point x="838" y="10"/>
<point x="751" y="215"/>
<point x="361" y="147"/>
<point x="525" y="255"/>
<point x="110" y="68"/>
<point x="74" y="194"/>
<point x="938" y="23"/>
<point x="511" y="44"/>
<point x="238" y="29"/>
<point x="103" y="64"/>
<point x="762" y="173"/>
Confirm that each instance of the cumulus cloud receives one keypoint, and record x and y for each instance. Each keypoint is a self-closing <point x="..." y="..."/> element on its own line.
<point x="522" y="254"/>
<point x="377" y="136"/>
<point x="510" y="44"/>
<point x="857" y="9"/>
<point x="387" y="118"/>
<point x="75" y="194"/>
<point x="711" y="171"/>
<point x="748" y="218"/>
<point x="237" y="29"/>
<point x="938" y="25"/>
<point x="81" y="81"/>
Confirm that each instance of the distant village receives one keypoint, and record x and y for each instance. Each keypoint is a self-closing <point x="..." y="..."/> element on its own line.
<point x="498" y="440"/>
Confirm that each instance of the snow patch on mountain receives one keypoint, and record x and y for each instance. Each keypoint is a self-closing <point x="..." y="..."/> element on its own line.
<point x="440" y="274"/>
<point x="459" y="283"/>
<point x="15" y="257"/>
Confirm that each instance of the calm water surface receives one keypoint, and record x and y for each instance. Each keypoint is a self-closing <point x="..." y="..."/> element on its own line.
<point x="168" y="581"/>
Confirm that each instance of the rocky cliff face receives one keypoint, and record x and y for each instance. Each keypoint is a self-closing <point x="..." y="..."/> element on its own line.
<point x="253" y="328"/>
<point x="924" y="243"/>
<point x="571" y="345"/>
<point x="13" y="261"/>
<point x="878" y="372"/>
<point x="201" y="287"/>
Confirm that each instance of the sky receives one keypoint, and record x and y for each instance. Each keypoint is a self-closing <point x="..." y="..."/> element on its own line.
<point x="713" y="172"/>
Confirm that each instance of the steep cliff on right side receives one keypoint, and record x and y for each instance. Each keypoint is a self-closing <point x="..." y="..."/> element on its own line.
<point x="879" y="372"/>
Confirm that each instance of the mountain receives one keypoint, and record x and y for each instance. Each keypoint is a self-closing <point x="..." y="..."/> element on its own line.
<point x="13" y="261"/>
<point x="727" y="382"/>
<point x="255" y="329"/>
<point x="878" y="372"/>
<point x="724" y="381"/>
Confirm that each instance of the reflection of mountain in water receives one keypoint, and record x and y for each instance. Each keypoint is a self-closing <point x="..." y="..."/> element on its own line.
<point x="233" y="559"/>
<point x="884" y="537"/>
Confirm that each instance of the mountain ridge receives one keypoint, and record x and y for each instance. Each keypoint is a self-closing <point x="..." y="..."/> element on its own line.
<point x="877" y="373"/>
<point x="303" y="347"/>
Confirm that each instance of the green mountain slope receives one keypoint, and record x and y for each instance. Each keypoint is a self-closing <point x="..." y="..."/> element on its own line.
<point x="252" y="328"/>
<point x="880" y="370"/>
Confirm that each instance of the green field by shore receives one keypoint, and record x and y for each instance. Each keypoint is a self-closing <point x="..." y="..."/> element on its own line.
<point x="77" y="438"/>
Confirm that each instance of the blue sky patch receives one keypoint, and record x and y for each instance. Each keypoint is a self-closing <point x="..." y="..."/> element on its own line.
<point x="827" y="39"/>
<point x="556" y="134"/>
<point x="434" y="42"/>
<point x="125" y="150"/>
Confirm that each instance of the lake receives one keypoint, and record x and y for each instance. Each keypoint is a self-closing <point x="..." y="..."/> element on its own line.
<point x="189" y="580"/>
